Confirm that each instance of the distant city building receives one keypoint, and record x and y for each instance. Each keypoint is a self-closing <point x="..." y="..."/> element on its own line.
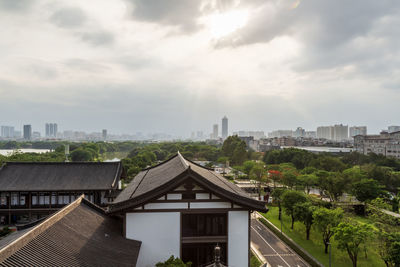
<point x="325" y="132"/>
<point x="28" y="132"/>
<point x="392" y="129"/>
<point x="7" y="131"/>
<point x="224" y="127"/>
<point x="280" y="133"/>
<point x="387" y="144"/>
<point x="17" y="134"/>
<point x="340" y="132"/>
<point x="36" y="135"/>
<point x="51" y="130"/>
<point x="357" y="130"/>
<point x="311" y="134"/>
<point x="256" y="134"/>
<point x="104" y="134"/>
<point x="215" y="132"/>
<point x="300" y="132"/>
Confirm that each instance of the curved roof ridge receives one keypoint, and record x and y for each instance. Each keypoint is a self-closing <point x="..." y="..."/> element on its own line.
<point x="140" y="182"/>
<point x="161" y="163"/>
<point x="183" y="160"/>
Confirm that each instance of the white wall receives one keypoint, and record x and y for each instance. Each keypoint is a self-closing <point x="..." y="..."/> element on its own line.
<point x="159" y="233"/>
<point x="238" y="239"/>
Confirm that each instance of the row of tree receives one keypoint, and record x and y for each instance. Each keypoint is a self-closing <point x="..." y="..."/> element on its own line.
<point x="351" y="236"/>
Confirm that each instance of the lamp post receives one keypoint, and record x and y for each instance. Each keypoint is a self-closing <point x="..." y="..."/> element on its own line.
<point x="280" y="216"/>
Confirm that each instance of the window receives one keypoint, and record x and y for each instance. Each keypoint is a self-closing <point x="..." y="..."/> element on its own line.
<point x="14" y="199"/>
<point x="188" y="196"/>
<point x="204" y="224"/>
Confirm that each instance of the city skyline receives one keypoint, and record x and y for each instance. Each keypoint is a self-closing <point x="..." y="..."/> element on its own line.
<point x="160" y="68"/>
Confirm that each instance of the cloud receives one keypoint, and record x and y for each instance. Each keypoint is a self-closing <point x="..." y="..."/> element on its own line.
<point x="70" y="17"/>
<point x="180" y="13"/>
<point x="98" y="38"/>
<point x="16" y="5"/>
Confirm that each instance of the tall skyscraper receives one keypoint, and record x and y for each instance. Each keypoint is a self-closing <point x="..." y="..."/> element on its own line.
<point x="27" y="132"/>
<point x="215" y="131"/>
<point x="224" y="127"/>
<point x="357" y="130"/>
<point x="51" y="129"/>
<point x="104" y="134"/>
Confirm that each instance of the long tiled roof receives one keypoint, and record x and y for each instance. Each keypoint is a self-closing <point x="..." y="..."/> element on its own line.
<point x="59" y="176"/>
<point x="80" y="234"/>
<point x="167" y="175"/>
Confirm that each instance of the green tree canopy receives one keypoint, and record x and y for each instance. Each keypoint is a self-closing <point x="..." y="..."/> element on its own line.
<point x="303" y="212"/>
<point x="366" y="190"/>
<point x="289" y="199"/>
<point x="325" y="220"/>
<point x="350" y="236"/>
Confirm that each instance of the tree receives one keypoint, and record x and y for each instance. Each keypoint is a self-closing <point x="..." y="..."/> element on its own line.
<point x="257" y="173"/>
<point x="351" y="236"/>
<point x="173" y="262"/>
<point x="277" y="196"/>
<point x="81" y="155"/>
<point x="389" y="248"/>
<point x="247" y="166"/>
<point x="303" y="212"/>
<point x="289" y="199"/>
<point x="332" y="183"/>
<point x="235" y="149"/>
<point x="328" y="163"/>
<point x="275" y="176"/>
<point x="366" y="189"/>
<point x="308" y="181"/>
<point x="325" y="220"/>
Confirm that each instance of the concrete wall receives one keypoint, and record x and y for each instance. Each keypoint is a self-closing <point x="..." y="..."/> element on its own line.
<point x="159" y="233"/>
<point x="238" y="238"/>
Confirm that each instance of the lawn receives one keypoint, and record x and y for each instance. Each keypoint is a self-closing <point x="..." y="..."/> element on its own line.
<point x="315" y="246"/>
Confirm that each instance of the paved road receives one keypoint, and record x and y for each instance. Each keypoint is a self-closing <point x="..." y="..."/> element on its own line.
<point x="275" y="251"/>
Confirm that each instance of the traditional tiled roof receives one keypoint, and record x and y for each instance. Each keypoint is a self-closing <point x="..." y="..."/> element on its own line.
<point x="80" y="234"/>
<point x="59" y="176"/>
<point x="157" y="180"/>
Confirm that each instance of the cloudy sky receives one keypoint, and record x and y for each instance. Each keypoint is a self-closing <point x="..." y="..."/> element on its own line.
<point x="178" y="66"/>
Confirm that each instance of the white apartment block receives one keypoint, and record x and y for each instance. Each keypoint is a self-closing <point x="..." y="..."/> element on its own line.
<point x="385" y="143"/>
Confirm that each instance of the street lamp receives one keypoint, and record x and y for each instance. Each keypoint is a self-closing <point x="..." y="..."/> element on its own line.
<point x="280" y="216"/>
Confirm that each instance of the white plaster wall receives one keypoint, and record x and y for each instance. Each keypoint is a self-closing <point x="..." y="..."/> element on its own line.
<point x="159" y="233"/>
<point x="210" y="205"/>
<point x="238" y="238"/>
<point x="202" y="196"/>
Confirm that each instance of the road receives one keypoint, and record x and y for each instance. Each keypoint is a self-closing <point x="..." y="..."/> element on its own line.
<point x="275" y="251"/>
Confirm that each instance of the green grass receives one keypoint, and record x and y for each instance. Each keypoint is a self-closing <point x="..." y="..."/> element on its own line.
<point x="315" y="246"/>
<point x="254" y="262"/>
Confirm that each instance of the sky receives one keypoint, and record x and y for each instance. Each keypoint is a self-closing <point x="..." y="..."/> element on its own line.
<point x="177" y="66"/>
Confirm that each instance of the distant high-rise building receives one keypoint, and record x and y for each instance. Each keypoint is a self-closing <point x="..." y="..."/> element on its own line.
<point x="224" y="127"/>
<point x="51" y="129"/>
<point x="280" y="133"/>
<point x="325" y="132"/>
<point x="392" y="129"/>
<point x="27" y="132"/>
<point x="311" y="134"/>
<point x="357" y="130"/>
<point x="215" y="131"/>
<point x="340" y="132"/>
<point x="104" y="134"/>
<point x="300" y="132"/>
<point x="7" y="131"/>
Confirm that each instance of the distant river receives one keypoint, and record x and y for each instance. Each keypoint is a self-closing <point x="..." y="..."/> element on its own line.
<point x="6" y="152"/>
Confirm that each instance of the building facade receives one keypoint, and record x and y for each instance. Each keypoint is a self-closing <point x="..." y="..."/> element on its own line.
<point x="30" y="191"/>
<point x="198" y="209"/>
<point x="51" y="130"/>
<point x="224" y="127"/>
<point x="215" y="132"/>
<point x="325" y="132"/>
<point x="357" y="130"/>
<point x="340" y="132"/>
<point x="387" y="144"/>
<point x="28" y="132"/>
<point x="7" y="131"/>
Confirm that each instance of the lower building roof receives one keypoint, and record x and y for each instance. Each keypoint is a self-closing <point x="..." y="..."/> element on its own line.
<point x="80" y="234"/>
<point x="59" y="176"/>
